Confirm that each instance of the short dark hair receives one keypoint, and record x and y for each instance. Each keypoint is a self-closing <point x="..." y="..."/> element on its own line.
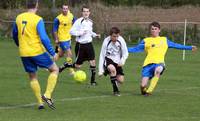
<point x="85" y="6"/>
<point x="114" y="30"/>
<point x="155" y="24"/>
<point x="31" y="4"/>
<point x="65" y="4"/>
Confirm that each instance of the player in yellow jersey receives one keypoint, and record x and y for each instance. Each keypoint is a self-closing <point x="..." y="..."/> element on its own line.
<point x="31" y="38"/>
<point x="154" y="65"/>
<point x="61" y="27"/>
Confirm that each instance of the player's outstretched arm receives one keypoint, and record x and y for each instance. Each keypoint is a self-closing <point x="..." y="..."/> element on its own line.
<point x="137" y="48"/>
<point x="178" y="46"/>
<point x="55" y="30"/>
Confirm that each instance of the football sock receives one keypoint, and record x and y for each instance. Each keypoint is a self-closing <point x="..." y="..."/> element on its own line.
<point x="113" y="80"/>
<point x="51" y="83"/>
<point x="69" y="61"/>
<point x="36" y="90"/>
<point x="93" y="73"/>
<point x="153" y="84"/>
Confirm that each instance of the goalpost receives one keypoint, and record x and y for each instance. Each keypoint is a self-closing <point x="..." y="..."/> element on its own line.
<point x="184" y="39"/>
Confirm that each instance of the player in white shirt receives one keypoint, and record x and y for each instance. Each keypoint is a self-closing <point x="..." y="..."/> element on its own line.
<point x="113" y="55"/>
<point x="84" y="50"/>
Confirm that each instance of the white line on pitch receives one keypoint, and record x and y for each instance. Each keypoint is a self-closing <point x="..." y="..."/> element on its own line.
<point x="90" y="97"/>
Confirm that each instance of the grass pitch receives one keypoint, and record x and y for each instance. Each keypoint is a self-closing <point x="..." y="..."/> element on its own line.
<point x="176" y="98"/>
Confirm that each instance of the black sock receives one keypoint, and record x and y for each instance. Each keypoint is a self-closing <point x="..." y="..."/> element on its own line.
<point x="93" y="73"/>
<point x="113" y="80"/>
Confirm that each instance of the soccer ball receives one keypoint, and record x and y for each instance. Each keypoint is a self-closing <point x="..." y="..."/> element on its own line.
<point x="80" y="76"/>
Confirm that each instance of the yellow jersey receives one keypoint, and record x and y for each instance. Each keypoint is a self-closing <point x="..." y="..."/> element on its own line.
<point x="65" y="24"/>
<point x="156" y="48"/>
<point x="29" y="40"/>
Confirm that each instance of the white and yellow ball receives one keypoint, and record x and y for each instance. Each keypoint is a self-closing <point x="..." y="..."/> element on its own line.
<point x="80" y="76"/>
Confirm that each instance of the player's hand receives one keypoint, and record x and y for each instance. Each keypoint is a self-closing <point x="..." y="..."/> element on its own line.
<point x="55" y="57"/>
<point x="56" y="41"/>
<point x="100" y="74"/>
<point x="194" y="48"/>
<point x="98" y="36"/>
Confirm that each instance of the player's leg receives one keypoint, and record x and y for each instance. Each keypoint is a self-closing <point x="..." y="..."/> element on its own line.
<point x="120" y="74"/>
<point x="52" y="79"/>
<point x="143" y="85"/>
<point x="93" y="72"/>
<point x="51" y="83"/>
<point x="66" y="48"/>
<point x="69" y="60"/>
<point x="113" y="78"/>
<point x="146" y="74"/>
<point x="90" y="54"/>
<point x="120" y="79"/>
<point x="34" y="83"/>
<point x="44" y="61"/>
<point x="59" y="52"/>
<point x="80" y="53"/>
<point x="31" y="68"/>
<point x="158" y="70"/>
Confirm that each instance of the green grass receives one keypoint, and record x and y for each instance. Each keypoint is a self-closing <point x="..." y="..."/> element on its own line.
<point x="176" y="97"/>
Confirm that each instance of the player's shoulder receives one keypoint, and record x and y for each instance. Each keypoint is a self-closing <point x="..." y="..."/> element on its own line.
<point x="163" y="37"/>
<point x="148" y="38"/>
<point x="38" y="17"/>
<point x="90" y="20"/>
<point x="28" y="15"/>
<point x="58" y="16"/>
<point x="70" y="14"/>
<point x="79" y="20"/>
<point x="120" y="38"/>
<point x="107" y="39"/>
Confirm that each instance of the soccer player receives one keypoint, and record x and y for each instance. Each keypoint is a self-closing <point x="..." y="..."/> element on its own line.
<point x="155" y="47"/>
<point x="61" y="27"/>
<point x="113" y="55"/>
<point x="31" y="38"/>
<point x="83" y="30"/>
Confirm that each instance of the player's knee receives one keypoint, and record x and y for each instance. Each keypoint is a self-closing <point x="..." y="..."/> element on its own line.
<point x="92" y="63"/>
<point x="120" y="79"/>
<point x="112" y="69"/>
<point x="158" y="71"/>
<point x="54" y="69"/>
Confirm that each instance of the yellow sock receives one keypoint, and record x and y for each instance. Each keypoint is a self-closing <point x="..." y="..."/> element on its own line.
<point x="36" y="90"/>
<point x="51" y="83"/>
<point x="69" y="60"/>
<point x="153" y="84"/>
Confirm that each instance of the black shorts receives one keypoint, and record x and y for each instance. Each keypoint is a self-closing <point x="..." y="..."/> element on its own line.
<point x="84" y="52"/>
<point x="118" y="69"/>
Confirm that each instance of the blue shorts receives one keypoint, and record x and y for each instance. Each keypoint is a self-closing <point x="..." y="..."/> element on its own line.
<point x="65" y="45"/>
<point x="148" y="70"/>
<point x="31" y="63"/>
